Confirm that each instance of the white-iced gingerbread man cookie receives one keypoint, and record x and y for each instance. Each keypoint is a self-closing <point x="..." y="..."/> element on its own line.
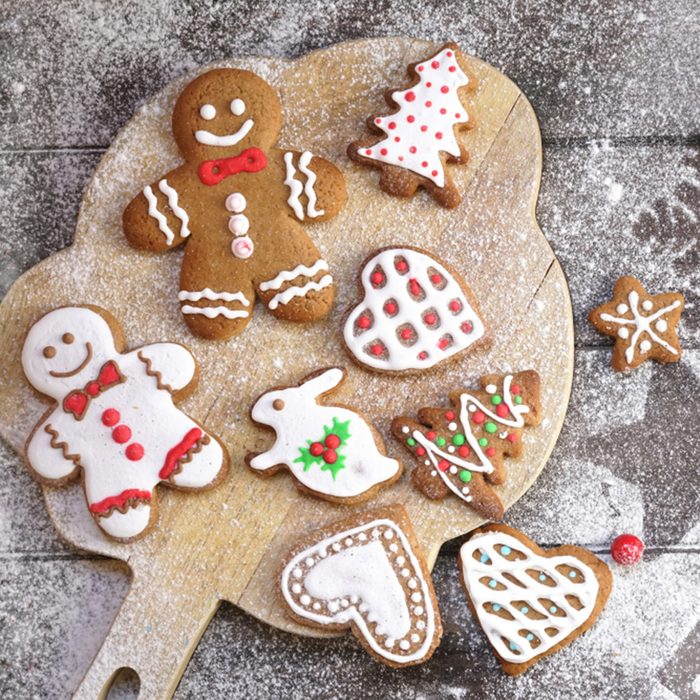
<point x="239" y="202"/>
<point x="114" y="418"/>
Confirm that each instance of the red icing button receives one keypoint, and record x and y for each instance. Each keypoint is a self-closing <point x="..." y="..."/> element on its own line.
<point x="110" y="417"/>
<point x="514" y="389"/>
<point x="412" y="149"/>
<point x="490" y="452"/>
<point x="424" y="128"/>
<point x="377" y="278"/>
<point x="444" y="89"/>
<point x="463" y="451"/>
<point x="392" y="125"/>
<point x="435" y="64"/>
<point x="93" y="388"/>
<point x="420" y="451"/>
<point x="450" y="415"/>
<point x="455" y="305"/>
<point x="443" y="110"/>
<point x="422" y="355"/>
<point x="443" y="343"/>
<point x="467" y="327"/>
<point x="478" y="417"/>
<point x="501" y="410"/>
<point x="438" y="135"/>
<point x="383" y="151"/>
<point x="449" y="53"/>
<point x="443" y="465"/>
<point x="430" y="319"/>
<point x="410" y="119"/>
<point x="390" y="307"/>
<point x="134" y="452"/>
<point x="410" y="96"/>
<point x="406" y="333"/>
<point x="401" y="265"/>
<point x="512" y="437"/>
<point x="452" y="69"/>
<point x="377" y="349"/>
<point x="364" y="322"/>
<point x="121" y="434"/>
<point x="431" y="435"/>
<point x="434" y="173"/>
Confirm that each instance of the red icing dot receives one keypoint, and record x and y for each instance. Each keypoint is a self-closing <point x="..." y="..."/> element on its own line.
<point x="420" y="451"/>
<point x="434" y="173"/>
<point x="438" y="135"/>
<point x="449" y="54"/>
<point x="110" y="417"/>
<point x="93" y="388"/>
<point x="435" y="64"/>
<point x="410" y="119"/>
<point x="410" y="96"/>
<point x="455" y="305"/>
<point x="436" y="279"/>
<point x="452" y="69"/>
<point x="412" y="149"/>
<point x="450" y="415"/>
<point x="464" y="451"/>
<point x="368" y="152"/>
<point x="121" y="434"/>
<point x="443" y="111"/>
<point x="377" y="349"/>
<point x="392" y="125"/>
<point x="515" y="389"/>
<point x="467" y="327"/>
<point x="428" y="84"/>
<point x="330" y="457"/>
<point x="397" y="138"/>
<point x="332" y="441"/>
<point x="401" y="265"/>
<point x="383" y="151"/>
<point x="430" y="319"/>
<point x="478" y="417"/>
<point x="406" y="333"/>
<point x="377" y="121"/>
<point x="390" y="307"/>
<point x="428" y="104"/>
<point x="364" y="322"/>
<point x="443" y="343"/>
<point x="401" y="158"/>
<point x="443" y="465"/>
<point x="316" y="449"/>
<point x="444" y="89"/>
<point x="512" y="437"/>
<point x="458" y="115"/>
<point x="134" y="452"/>
<point x="425" y="163"/>
<point x="431" y="435"/>
<point x="415" y="287"/>
<point x="490" y="452"/>
<point x="423" y="355"/>
<point x="424" y="128"/>
<point x="420" y="69"/>
<point x="502" y="410"/>
<point x="377" y="278"/>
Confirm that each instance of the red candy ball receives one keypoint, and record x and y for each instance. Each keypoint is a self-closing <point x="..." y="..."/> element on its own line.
<point x="110" y="417"/>
<point x="406" y="333"/>
<point x="377" y="278"/>
<point x="121" y="434"/>
<point x="390" y="307"/>
<point x="463" y="451"/>
<point x="430" y="319"/>
<point x="490" y="451"/>
<point x="316" y="449"/>
<point x="502" y="410"/>
<point x="377" y="349"/>
<point x="431" y="435"/>
<point x="332" y="441"/>
<point x="443" y="465"/>
<point x="134" y="452"/>
<point x="455" y="305"/>
<point x="330" y="457"/>
<point x="364" y="322"/>
<point x="450" y="415"/>
<point x="627" y="549"/>
<point x="478" y="417"/>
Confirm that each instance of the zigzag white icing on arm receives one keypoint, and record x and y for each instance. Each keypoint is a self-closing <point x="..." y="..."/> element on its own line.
<point x="157" y="215"/>
<point x="181" y="214"/>
<point x="295" y="187"/>
<point x="288" y="275"/>
<point x="309" y="191"/>
<point x="288" y="294"/>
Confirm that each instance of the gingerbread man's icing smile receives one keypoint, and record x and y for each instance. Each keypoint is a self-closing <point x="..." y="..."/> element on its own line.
<point x="238" y="203"/>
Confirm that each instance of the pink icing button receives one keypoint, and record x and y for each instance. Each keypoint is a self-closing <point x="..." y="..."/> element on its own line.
<point x="242" y="247"/>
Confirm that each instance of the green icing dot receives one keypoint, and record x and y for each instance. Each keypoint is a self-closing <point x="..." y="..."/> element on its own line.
<point x="410" y="442"/>
<point x="440" y="442"/>
<point x="490" y="428"/>
<point x="518" y="399"/>
<point x="465" y="475"/>
<point x="483" y="442"/>
<point x="458" y="439"/>
<point x="495" y="400"/>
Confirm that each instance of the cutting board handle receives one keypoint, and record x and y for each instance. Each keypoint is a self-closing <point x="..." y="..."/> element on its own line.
<point x="154" y="634"/>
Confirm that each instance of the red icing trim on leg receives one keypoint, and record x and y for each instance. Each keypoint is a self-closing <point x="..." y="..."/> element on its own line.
<point x="118" y="501"/>
<point x="179" y="451"/>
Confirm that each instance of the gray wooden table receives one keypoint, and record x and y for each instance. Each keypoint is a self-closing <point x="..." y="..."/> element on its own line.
<point x="615" y="85"/>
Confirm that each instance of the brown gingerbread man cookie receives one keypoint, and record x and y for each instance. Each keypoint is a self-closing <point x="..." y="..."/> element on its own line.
<point x="238" y="202"/>
<point x="414" y="142"/>
<point x="644" y="325"/>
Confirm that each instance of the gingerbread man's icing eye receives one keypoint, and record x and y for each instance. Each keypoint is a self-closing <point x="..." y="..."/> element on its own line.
<point x="49" y="352"/>
<point x="237" y="106"/>
<point x="207" y="112"/>
<point x="278" y="404"/>
<point x="67" y="338"/>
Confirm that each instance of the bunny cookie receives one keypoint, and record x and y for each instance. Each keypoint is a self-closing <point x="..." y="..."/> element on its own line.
<point x="331" y="450"/>
<point x="237" y="202"/>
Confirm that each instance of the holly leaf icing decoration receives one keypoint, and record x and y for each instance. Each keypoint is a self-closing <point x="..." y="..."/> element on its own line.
<point x="326" y="452"/>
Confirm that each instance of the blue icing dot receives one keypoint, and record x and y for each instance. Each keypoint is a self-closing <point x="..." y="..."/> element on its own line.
<point x="553" y="609"/>
<point x="530" y="637"/>
<point x="513" y="647"/>
<point x="492" y="583"/>
<point x="484" y="558"/>
<point x="524" y="610"/>
<point x="505" y="550"/>
<point x="496" y="607"/>
<point x="572" y="574"/>
<point x="543" y="577"/>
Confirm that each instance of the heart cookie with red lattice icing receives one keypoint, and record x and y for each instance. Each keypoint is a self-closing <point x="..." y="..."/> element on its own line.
<point x="367" y="573"/>
<point x="416" y="312"/>
<point x="530" y="602"/>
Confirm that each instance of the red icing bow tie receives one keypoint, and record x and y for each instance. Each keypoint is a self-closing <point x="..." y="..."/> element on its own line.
<point x="212" y="172"/>
<point x="77" y="401"/>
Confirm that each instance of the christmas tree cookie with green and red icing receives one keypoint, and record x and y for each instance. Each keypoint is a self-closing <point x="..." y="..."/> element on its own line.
<point x="332" y="451"/>
<point x="460" y="448"/>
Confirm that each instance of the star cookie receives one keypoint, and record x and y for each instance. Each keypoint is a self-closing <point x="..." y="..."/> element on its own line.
<point x="644" y="325"/>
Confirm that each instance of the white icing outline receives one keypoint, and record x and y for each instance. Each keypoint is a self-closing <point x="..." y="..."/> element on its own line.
<point x="289" y="275"/>
<point x="291" y="292"/>
<point x="402" y="357"/>
<point x="642" y="324"/>
<point x="497" y="627"/>
<point x="206" y="138"/>
<point x="351" y="612"/>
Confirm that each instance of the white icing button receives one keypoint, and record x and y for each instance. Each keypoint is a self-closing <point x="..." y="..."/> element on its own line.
<point x="420" y="625"/>
<point x="661" y="325"/>
<point x="405" y="573"/>
<point x="452" y="426"/>
<point x="296" y="588"/>
<point x="465" y="489"/>
<point x="336" y="546"/>
<point x="647" y="305"/>
<point x="415" y="638"/>
<point x="305" y="599"/>
<point x="432" y="473"/>
<point x="316" y="606"/>
<point x="622" y="308"/>
<point x="404" y="644"/>
<point x="237" y="107"/>
<point x="348" y="541"/>
<point x="394" y="548"/>
<point x="453" y="469"/>
<point x="451" y="448"/>
<point x="242" y="247"/>
<point x="427" y="462"/>
<point x="468" y="499"/>
<point x="416" y="597"/>
<point x="236" y="202"/>
<point x="238" y="225"/>
<point x="405" y="429"/>
<point x="344" y="602"/>
<point x="491" y="389"/>
<point x="400" y="561"/>
<point x="309" y="561"/>
<point x="413" y="583"/>
<point x="623" y="333"/>
<point x="388" y="534"/>
<point x="333" y="606"/>
<point x="471" y="408"/>
<point x="645" y="346"/>
<point x="362" y="537"/>
<point x="207" y="112"/>
<point x="418" y="610"/>
<point x="353" y="599"/>
<point x="296" y="573"/>
<point x="389" y="642"/>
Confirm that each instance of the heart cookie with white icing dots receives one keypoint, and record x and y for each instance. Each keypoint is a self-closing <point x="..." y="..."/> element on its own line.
<point x="416" y="312"/>
<point x="367" y="573"/>
<point x="530" y="602"/>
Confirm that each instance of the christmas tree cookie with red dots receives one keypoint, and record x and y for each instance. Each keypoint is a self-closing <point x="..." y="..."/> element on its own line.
<point x="416" y="312"/>
<point x="332" y="451"/>
<point x="644" y="325"/>
<point x="412" y="144"/>
<point x="460" y="449"/>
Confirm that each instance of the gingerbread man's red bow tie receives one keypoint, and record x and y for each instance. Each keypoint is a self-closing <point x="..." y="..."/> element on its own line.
<point x="77" y="401"/>
<point x="212" y="172"/>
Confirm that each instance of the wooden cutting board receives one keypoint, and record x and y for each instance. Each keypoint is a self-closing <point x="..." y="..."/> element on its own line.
<point x="226" y="544"/>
